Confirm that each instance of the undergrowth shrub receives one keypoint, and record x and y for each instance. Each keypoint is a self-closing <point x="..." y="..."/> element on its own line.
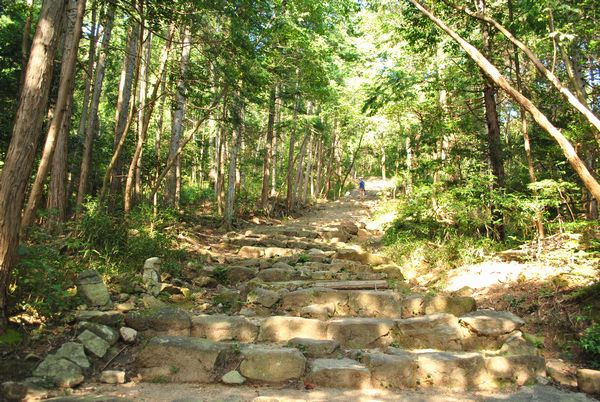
<point x="113" y="244"/>
<point x="590" y="343"/>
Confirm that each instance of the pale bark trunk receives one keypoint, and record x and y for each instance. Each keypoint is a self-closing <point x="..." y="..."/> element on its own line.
<point x="268" y="159"/>
<point x="93" y="116"/>
<point x="158" y="134"/>
<point x="57" y="189"/>
<point x="382" y="162"/>
<point x="186" y="139"/>
<point x="238" y="123"/>
<point x="588" y="180"/>
<point x="123" y="103"/>
<point x="141" y="113"/>
<point x="21" y="151"/>
<point x="128" y="117"/>
<point x="173" y="183"/>
<point x="75" y="13"/>
<point x="409" y="165"/>
<point x="144" y="123"/>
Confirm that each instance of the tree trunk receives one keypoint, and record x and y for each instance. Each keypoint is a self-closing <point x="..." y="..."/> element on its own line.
<point x="275" y="146"/>
<point x="289" y="199"/>
<point x="144" y="123"/>
<point x="122" y="111"/>
<point x="75" y="13"/>
<point x="496" y="159"/>
<point x="58" y="187"/>
<point x="588" y="180"/>
<point x="88" y="74"/>
<point x="238" y="122"/>
<point x="86" y="160"/>
<point x="21" y="150"/>
<point x="142" y="112"/>
<point x="268" y="159"/>
<point x="409" y="164"/>
<point x="25" y="43"/>
<point x="173" y="182"/>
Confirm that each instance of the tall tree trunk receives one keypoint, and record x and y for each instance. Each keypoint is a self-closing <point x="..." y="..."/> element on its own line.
<point x="382" y="162"/>
<point x="275" y="146"/>
<point x="268" y="159"/>
<point x="25" y="43"/>
<point x="238" y="123"/>
<point x="159" y="128"/>
<point x="173" y="182"/>
<point x="144" y="122"/>
<point x="409" y="164"/>
<point x="75" y="13"/>
<point x="21" y="150"/>
<point x="86" y="159"/>
<point x="289" y="200"/>
<point x="142" y="112"/>
<point x="496" y="159"/>
<point x="122" y="111"/>
<point x="58" y="187"/>
<point x="89" y="73"/>
<point x="574" y="160"/>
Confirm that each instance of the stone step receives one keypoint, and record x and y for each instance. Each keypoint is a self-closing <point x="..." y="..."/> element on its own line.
<point x="337" y="285"/>
<point x="437" y="331"/>
<point x="190" y="360"/>
<point x="362" y="298"/>
<point x="281" y="242"/>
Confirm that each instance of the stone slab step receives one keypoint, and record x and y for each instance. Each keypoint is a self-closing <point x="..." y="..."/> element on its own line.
<point x="338" y="373"/>
<point x="399" y="368"/>
<point x="439" y="331"/>
<point x="371" y="303"/>
<point x="181" y="360"/>
<point x="328" y="284"/>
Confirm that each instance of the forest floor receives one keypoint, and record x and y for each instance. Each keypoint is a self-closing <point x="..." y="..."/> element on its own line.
<point x="540" y="291"/>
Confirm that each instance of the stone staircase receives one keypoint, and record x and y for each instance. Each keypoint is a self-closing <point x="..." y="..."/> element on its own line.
<point x="311" y="315"/>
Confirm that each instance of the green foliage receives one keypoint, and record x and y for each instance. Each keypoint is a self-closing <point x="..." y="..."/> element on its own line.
<point x="11" y="337"/>
<point x="590" y="343"/>
<point x="42" y="278"/>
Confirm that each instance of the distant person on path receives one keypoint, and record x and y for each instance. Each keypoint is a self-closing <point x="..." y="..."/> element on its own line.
<point x="361" y="188"/>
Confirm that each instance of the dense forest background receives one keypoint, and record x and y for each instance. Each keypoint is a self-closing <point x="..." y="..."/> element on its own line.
<point x="147" y="114"/>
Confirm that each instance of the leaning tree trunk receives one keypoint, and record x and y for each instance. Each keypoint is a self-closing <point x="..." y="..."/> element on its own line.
<point x="576" y="163"/>
<point x="21" y="150"/>
<point x="86" y="159"/>
<point x="578" y="102"/>
<point x="75" y="13"/>
<point x="173" y="181"/>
